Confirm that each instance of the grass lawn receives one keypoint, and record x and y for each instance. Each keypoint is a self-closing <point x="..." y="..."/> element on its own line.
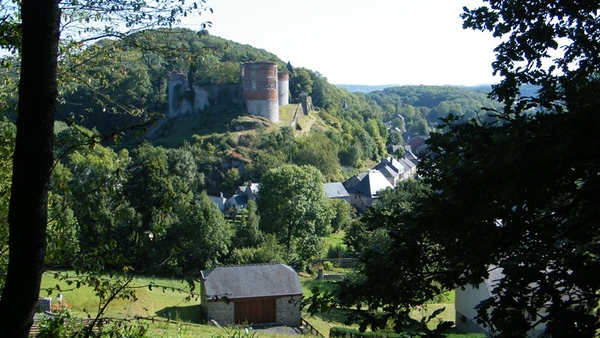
<point x="174" y="316"/>
<point x="335" y="239"/>
<point x="163" y="300"/>
<point x="325" y="321"/>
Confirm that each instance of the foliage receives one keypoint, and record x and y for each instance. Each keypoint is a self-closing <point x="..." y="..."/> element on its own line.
<point x="538" y="225"/>
<point x="388" y="250"/>
<point x="344" y="332"/>
<point x="421" y="107"/>
<point x="268" y="251"/>
<point x="40" y="26"/>
<point x="319" y="151"/>
<point x="112" y="210"/>
<point x="337" y="251"/>
<point x="327" y="265"/>
<point x="202" y="238"/>
<point x="514" y="189"/>
<point x="354" y="333"/>
<point x="300" y="82"/>
<point x="7" y="135"/>
<point x="293" y="206"/>
<point x="246" y="227"/>
<point x="238" y="333"/>
<point x="124" y="81"/>
<point x="64" y="324"/>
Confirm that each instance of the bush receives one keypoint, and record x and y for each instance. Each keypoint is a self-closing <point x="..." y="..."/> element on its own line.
<point x="337" y="251"/>
<point x="343" y="332"/>
<point x="64" y="324"/>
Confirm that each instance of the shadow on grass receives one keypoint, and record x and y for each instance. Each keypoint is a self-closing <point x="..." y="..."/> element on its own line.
<point x="333" y="316"/>
<point x="189" y="313"/>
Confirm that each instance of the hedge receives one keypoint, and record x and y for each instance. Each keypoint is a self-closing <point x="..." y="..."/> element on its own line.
<point x="344" y="332"/>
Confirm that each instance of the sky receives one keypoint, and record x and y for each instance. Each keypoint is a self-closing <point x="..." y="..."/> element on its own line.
<point x="377" y="42"/>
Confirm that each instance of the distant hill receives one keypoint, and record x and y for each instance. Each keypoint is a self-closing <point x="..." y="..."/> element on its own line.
<point x="363" y="88"/>
<point x="526" y="90"/>
<point x="355" y="88"/>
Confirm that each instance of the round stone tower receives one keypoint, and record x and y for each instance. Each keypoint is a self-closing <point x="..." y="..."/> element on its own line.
<point x="284" y="88"/>
<point x="259" y="89"/>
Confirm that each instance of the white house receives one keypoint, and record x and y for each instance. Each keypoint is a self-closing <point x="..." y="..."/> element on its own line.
<point x="364" y="192"/>
<point x="467" y="301"/>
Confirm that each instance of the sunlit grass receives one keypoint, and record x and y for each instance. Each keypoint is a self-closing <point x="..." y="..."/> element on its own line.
<point x="167" y="298"/>
<point x="335" y="239"/>
<point x="175" y="316"/>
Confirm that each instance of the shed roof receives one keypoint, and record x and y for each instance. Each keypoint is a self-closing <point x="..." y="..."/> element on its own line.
<point x="251" y="281"/>
<point x="335" y="190"/>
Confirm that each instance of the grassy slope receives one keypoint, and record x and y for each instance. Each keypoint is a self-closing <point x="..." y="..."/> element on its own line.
<point x="174" y="315"/>
<point x="164" y="302"/>
<point x="214" y="120"/>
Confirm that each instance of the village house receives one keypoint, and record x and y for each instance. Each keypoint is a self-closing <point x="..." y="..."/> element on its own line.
<point x="360" y="190"/>
<point x="364" y="191"/>
<point x="336" y="190"/>
<point x="252" y="294"/>
<point x="468" y="299"/>
<point x="241" y="197"/>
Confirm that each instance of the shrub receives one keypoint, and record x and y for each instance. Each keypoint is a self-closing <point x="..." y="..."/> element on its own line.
<point x="336" y="251"/>
<point x="344" y="332"/>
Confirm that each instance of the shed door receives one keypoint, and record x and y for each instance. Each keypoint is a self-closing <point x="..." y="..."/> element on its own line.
<point x="255" y="311"/>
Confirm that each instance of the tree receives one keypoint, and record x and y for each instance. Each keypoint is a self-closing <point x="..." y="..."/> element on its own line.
<point x="320" y="152"/>
<point x="246" y="226"/>
<point x="201" y="238"/>
<point x="7" y="137"/>
<point x="343" y="214"/>
<point x="394" y="271"/>
<point x="292" y="204"/>
<point x="39" y="38"/>
<point x="27" y="214"/>
<point x="95" y="185"/>
<point x="538" y="223"/>
<point x="515" y="189"/>
<point x="301" y="82"/>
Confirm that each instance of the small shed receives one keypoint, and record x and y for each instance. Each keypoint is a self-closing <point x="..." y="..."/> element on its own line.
<point x="336" y="190"/>
<point x="252" y="294"/>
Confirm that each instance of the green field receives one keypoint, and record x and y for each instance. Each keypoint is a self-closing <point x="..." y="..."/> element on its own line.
<point x="174" y="312"/>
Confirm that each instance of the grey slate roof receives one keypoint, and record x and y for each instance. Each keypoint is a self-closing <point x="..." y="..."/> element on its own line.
<point x="411" y="157"/>
<point x="388" y="171"/>
<point x="408" y="164"/>
<point x="350" y="183"/>
<point x="335" y="190"/>
<point x="249" y="281"/>
<point x="371" y="184"/>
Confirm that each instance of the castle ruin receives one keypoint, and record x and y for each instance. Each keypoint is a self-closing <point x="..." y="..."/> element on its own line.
<point x="261" y="91"/>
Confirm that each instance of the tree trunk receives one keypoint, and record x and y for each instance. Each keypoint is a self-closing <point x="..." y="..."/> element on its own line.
<point x="32" y="164"/>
